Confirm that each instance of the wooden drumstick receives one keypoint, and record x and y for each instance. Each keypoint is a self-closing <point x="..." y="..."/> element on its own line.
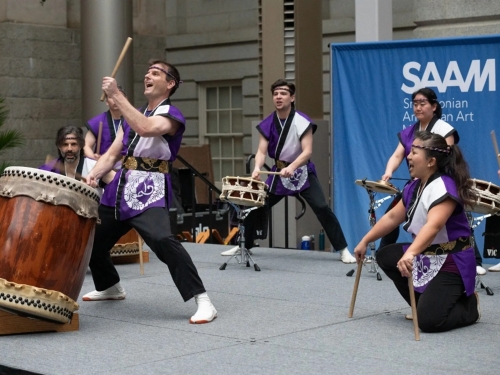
<point x="495" y="146"/>
<point x="413" y="309"/>
<point x="49" y="158"/>
<point x="118" y="62"/>
<point x="355" y="290"/>
<point x="141" y="259"/>
<point x="269" y="172"/>
<point x="99" y="138"/>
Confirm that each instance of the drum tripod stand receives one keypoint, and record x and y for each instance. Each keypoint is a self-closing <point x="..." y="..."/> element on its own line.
<point x="473" y="223"/>
<point x="242" y="253"/>
<point x="372" y="219"/>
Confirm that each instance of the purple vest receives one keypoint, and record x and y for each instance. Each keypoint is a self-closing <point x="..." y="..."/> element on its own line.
<point x="57" y="166"/>
<point x="131" y="191"/>
<point x="284" y="144"/>
<point x="436" y="125"/>
<point x="108" y="133"/>
<point x="452" y="240"/>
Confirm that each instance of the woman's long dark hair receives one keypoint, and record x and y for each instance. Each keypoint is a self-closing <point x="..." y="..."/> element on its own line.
<point x="450" y="161"/>
<point x="431" y="97"/>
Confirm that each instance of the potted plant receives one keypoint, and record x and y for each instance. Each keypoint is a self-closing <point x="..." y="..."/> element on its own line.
<point x="8" y="138"/>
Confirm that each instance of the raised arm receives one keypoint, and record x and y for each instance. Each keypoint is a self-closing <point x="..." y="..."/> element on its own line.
<point x="394" y="162"/>
<point x="88" y="149"/>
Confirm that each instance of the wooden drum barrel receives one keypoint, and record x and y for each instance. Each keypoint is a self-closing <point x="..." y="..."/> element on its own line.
<point x="46" y="236"/>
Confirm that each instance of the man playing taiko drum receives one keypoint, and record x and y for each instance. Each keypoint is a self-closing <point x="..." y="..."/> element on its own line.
<point x="287" y="136"/>
<point x="71" y="161"/>
<point x="139" y="195"/>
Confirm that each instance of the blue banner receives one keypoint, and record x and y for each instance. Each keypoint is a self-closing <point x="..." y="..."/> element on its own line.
<point x="372" y="85"/>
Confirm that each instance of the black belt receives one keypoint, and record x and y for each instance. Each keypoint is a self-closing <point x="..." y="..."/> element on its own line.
<point x="146" y="164"/>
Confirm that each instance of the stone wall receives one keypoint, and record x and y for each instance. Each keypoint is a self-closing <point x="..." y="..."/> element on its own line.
<point x="447" y="18"/>
<point x="40" y="81"/>
<point x="214" y="41"/>
<point x="40" y="71"/>
<point x="209" y="41"/>
<point x="40" y="61"/>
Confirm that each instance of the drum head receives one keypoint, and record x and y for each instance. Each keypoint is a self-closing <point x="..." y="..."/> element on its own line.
<point x="379" y="186"/>
<point x="51" y="188"/>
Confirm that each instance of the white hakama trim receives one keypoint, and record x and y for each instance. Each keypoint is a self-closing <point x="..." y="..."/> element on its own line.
<point x="433" y="192"/>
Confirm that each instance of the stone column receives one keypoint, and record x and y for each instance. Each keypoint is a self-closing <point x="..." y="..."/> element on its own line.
<point x="105" y="26"/>
<point x="373" y="20"/>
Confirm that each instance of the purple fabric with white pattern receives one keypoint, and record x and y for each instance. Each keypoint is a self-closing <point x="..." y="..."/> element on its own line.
<point x="132" y="192"/>
<point x="300" y="123"/>
<point x="437" y="189"/>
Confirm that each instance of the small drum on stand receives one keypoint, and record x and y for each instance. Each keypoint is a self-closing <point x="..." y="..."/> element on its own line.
<point x="247" y="192"/>
<point x="488" y="197"/>
<point x="487" y="203"/>
<point x="46" y="237"/>
<point x="244" y="191"/>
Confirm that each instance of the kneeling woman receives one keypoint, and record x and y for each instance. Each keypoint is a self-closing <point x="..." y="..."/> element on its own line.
<point x="440" y="259"/>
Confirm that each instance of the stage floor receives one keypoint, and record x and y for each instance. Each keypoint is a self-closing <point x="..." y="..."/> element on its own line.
<point x="290" y="318"/>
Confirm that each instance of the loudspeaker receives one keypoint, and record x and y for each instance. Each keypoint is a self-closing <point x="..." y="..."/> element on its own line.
<point x="492" y="238"/>
<point x="220" y="221"/>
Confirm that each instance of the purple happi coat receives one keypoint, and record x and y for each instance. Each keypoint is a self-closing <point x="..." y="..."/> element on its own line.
<point x="57" y="166"/>
<point x="132" y="191"/>
<point x="436" y="126"/>
<point x="284" y="144"/>
<point x="109" y="129"/>
<point x="452" y="240"/>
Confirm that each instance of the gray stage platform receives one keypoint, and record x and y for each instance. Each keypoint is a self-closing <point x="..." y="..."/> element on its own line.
<point x="290" y="318"/>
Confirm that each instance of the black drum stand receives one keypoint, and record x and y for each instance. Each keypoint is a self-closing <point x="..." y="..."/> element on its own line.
<point x="473" y="223"/>
<point x="242" y="255"/>
<point x="373" y="219"/>
<point x="371" y="259"/>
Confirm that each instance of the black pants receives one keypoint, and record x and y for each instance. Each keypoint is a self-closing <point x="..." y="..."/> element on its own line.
<point x="443" y="305"/>
<point x="154" y="226"/>
<point x="392" y="237"/>
<point x="314" y="196"/>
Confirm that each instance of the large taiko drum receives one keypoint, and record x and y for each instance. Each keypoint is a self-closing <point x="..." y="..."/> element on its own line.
<point x="488" y="197"/>
<point x="46" y="236"/>
<point x="244" y="191"/>
<point x="127" y="245"/>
